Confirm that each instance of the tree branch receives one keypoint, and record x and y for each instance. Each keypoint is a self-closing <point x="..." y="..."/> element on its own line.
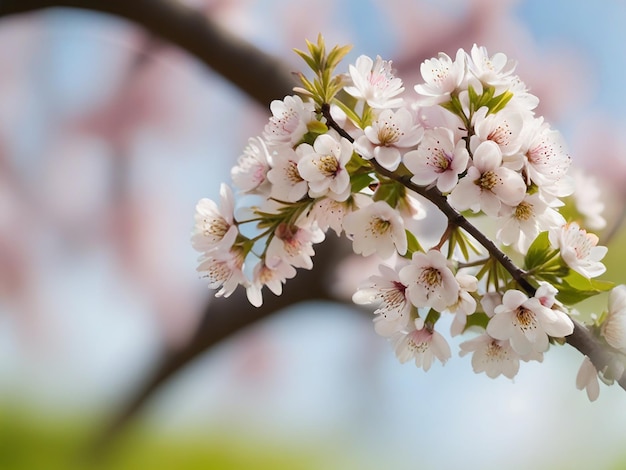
<point x="260" y="75"/>
<point x="582" y="338"/>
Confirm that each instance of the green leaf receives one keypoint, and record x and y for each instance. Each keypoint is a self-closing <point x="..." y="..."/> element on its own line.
<point x="539" y="253"/>
<point x="413" y="245"/>
<point x="499" y="102"/>
<point x="390" y="192"/>
<point x="479" y="319"/>
<point x="575" y="288"/>
<point x="360" y="181"/>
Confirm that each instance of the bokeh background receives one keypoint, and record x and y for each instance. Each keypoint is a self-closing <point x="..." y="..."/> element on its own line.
<point x="108" y="137"/>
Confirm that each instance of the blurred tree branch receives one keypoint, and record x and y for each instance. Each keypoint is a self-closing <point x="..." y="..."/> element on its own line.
<point x="260" y="75"/>
<point x="263" y="78"/>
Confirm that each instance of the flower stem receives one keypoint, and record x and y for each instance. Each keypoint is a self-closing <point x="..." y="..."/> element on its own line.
<point x="439" y="200"/>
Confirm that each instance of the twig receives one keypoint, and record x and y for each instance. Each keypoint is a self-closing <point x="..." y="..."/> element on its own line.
<point x="582" y="338"/>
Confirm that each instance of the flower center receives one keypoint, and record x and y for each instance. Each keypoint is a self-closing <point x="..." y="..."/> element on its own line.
<point x="430" y="278"/>
<point x="328" y="165"/>
<point x="417" y="347"/>
<point x="524" y="211"/>
<point x="441" y="161"/>
<point x="525" y="318"/>
<point x="488" y="180"/>
<point x="388" y="134"/>
<point x="495" y="352"/>
<point x="215" y="228"/>
<point x="500" y="135"/>
<point x="292" y="172"/>
<point x="379" y="226"/>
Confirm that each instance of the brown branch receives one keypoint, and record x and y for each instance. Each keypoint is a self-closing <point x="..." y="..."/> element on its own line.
<point x="223" y="318"/>
<point x="582" y="338"/>
<point x="263" y="77"/>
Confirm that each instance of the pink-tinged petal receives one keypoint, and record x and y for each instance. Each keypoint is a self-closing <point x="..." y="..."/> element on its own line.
<point x="512" y="299"/>
<point x="487" y="156"/>
<point x="501" y="326"/>
<point x="389" y="157"/>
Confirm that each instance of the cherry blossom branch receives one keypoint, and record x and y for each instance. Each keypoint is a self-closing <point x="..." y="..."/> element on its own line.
<point x="581" y="339"/>
<point x="440" y="201"/>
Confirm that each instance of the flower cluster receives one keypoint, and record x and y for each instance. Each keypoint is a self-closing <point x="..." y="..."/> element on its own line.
<point x="357" y="153"/>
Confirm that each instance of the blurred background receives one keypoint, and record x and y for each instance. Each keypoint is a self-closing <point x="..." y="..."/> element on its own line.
<point x="108" y="137"/>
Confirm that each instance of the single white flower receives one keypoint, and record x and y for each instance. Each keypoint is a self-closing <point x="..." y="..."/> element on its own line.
<point x="376" y="228"/>
<point x="441" y="76"/>
<point x="429" y="281"/>
<point x="488" y="184"/>
<point x="390" y="134"/>
<point x="521" y="224"/>
<point x="493" y="70"/>
<point x="293" y="245"/>
<point x="465" y="304"/>
<point x="491" y="356"/>
<point x="323" y="166"/>
<point x="289" y="120"/>
<point x="374" y="82"/>
<point x="547" y="160"/>
<point x="214" y="227"/>
<point x="505" y="129"/>
<point x="287" y="183"/>
<point x="273" y="278"/>
<point x="587" y="379"/>
<point x="438" y="159"/>
<point x="328" y="213"/>
<point x="613" y="327"/>
<point x="250" y="172"/>
<point x="423" y="345"/>
<point x="389" y="293"/>
<point x="527" y="323"/>
<point x="579" y="249"/>
<point x="588" y="199"/>
<point x="223" y="269"/>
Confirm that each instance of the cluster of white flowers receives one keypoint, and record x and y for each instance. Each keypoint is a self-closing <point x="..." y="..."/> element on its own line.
<point x="467" y="134"/>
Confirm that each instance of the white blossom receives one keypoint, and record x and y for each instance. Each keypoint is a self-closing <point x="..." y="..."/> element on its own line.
<point x="323" y="166"/>
<point x="429" y="281"/>
<point x="505" y="129"/>
<point x="388" y="137"/>
<point x="493" y="70"/>
<point x="487" y="184"/>
<point x="579" y="249"/>
<point x="465" y="304"/>
<point x="438" y="159"/>
<point x="520" y="225"/>
<point x="294" y="245"/>
<point x="547" y="160"/>
<point x="250" y="172"/>
<point x="223" y="270"/>
<point x="289" y="120"/>
<point x="423" y="345"/>
<point x="273" y="278"/>
<point x="441" y="76"/>
<point x="288" y="185"/>
<point x="588" y="199"/>
<point x="376" y="228"/>
<point x="613" y="328"/>
<point x="374" y="82"/>
<point x="587" y="379"/>
<point x="491" y="356"/>
<point x="527" y="323"/>
<point x="214" y="227"/>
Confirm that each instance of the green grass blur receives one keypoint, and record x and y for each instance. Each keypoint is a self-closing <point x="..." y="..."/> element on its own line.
<point x="29" y="442"/>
